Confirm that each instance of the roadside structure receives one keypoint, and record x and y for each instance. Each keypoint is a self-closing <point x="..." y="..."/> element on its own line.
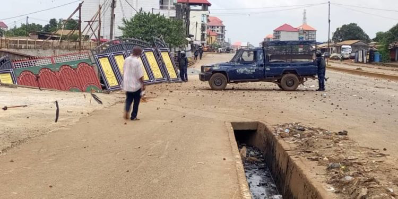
<point x="287" y="32"/>
<point x="211" y="37"/>
<point x="269" y="37"/>
<point x="356" y="45"/>
<point x="394" y="51"/>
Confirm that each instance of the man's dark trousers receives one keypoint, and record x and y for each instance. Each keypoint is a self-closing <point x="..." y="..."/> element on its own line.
<point x="130" y="98"/>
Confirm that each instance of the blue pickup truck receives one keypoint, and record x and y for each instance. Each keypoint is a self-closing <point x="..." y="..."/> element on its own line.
<point x="285" y="63"/>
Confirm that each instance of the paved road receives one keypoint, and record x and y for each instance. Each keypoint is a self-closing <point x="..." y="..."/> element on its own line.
<point x="178" y="148"/>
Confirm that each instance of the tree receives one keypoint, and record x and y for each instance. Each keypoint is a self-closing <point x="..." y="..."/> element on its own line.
<point x="1" y="32"/>
<point x="145" y="26"/>
<point x="24" y="30"/>
<point x="350" y="32"/>
<point x="52" y="26"/>
<point x="385" y="39"/>
<point x="71" y="24"/>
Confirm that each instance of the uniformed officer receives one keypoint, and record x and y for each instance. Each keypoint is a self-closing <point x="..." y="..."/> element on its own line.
<point x="321" y="64"/>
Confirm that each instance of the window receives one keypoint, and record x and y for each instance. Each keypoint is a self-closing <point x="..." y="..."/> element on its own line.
<point x="248" y="56"/>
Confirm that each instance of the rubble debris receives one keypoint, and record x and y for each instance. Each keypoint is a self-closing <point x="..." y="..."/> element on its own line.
<point x="258" y="175"/>
<point x="8" y="107"/>
<point x="352" y="171"/>
<point x="96" y="98"/>
<point x="344" y="132"/>
<point x="56" y="112"/>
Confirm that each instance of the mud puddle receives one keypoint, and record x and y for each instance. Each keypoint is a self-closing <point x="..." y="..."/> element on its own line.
<point x="261" y="183"/>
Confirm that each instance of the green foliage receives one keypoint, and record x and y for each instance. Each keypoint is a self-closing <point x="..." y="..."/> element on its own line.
<point x="350" y="32"/>
<point x="145" y="26"/>
<point x="24" y="30"/>
<point x="2" y="32"/>
<point x="385" y="39"/>
<point x="71" y="24"/>
<point x="52" y="26"/>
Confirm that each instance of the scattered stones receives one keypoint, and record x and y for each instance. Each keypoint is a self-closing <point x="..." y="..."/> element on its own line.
<point x="344" y="132"/>
<point x="334" y="166"/>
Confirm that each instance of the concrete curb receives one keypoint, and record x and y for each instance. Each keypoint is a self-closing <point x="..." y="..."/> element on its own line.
<point x="244" y="190"/>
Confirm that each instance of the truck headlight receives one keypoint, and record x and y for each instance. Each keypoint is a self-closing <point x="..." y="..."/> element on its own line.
<point x="206" y="69"/>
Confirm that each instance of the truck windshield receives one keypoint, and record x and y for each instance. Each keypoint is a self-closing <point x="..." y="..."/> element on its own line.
<point x="237" y="56"/>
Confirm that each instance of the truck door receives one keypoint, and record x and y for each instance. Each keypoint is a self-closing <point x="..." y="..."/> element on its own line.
<point x="247" y="67"/>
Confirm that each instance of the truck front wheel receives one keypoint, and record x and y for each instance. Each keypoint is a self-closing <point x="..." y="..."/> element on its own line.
<point x="218" y="81"/>
<point x="290" y="82"/>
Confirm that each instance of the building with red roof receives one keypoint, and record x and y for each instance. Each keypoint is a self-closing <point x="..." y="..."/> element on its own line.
<point x="269" y="37"/>
<point x="307" y="32"/>
<point x="216" y="25"/>
<point x="287" y="32"/>
<point x="197" y="2"/>
<point x="3" y="26"/>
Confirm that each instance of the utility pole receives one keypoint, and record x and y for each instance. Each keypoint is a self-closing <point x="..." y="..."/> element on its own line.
<point x="169" y="8"/>
<point x="27" y="23"/>
<point x="188" y="20"/>
<point x="80" y="26"/>
<point x="113" y="6"/>
<point x="196" y="31"/>
<point x="99" y="25"/>
<point x="329" y="32"/>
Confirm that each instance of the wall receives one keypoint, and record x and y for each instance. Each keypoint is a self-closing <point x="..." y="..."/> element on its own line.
<point x="289" y="36"/>
<point x="196" y="17"/>
<point x="122" y="10"/>
<point x="24" y="53"/>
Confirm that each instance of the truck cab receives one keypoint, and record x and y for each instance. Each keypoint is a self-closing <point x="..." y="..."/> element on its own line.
<point x="286" y="64"/>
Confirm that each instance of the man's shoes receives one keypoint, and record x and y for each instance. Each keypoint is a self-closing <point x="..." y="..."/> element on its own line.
<point x="134" y="119"/>
<point x="321" y="89"/>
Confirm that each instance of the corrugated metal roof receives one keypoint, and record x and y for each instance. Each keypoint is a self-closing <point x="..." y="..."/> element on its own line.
<point x="287" y="28"/>
<point x="348" y="42"/>
<point x="195" y="2"/>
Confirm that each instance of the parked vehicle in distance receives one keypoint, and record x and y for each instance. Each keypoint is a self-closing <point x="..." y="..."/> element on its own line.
<point x="285" y="63"/>
<point x="346" y="51"/>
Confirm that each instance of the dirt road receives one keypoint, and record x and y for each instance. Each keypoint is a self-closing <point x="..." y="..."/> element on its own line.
<point x="180" y="148"/>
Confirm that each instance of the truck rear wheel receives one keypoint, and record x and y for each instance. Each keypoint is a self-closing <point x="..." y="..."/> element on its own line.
<point x="290" y="82"/>
<point x="218" y="81"/>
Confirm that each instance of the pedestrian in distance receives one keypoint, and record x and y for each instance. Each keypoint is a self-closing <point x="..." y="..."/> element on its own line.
<point x="201" y="52"/>
<point x="321" y="64"/>
<point x="183" y="62"/>
<point x="196" y="53"/>
<point x="133" y="83"/>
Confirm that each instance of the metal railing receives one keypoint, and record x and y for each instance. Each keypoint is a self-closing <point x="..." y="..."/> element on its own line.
<point x="45" y="44"/>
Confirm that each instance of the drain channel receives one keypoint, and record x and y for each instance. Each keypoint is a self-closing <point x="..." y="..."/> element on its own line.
<point x="258" y="175"/>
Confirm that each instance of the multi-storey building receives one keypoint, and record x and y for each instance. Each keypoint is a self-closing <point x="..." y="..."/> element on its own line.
<point x="287" y="32"/>
<point x="216" y="25"/>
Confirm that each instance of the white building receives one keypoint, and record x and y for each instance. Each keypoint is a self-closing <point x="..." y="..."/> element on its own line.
<point x="124" y="9"/>
<point x="198" y="19"/>
<point x="286" y="32"/>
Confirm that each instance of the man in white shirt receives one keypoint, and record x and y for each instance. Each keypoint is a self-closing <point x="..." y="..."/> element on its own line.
<point x="133" y="82"/>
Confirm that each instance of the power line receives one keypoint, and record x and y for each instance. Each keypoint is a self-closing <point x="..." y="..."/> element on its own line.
<point x="366" y="12"/>
<point x="40" y="10"/>
<point x="264" y="12"/>
<point x="259" y="8"/>
<point x="339" y="4"/>
<point x="131" y="6"/>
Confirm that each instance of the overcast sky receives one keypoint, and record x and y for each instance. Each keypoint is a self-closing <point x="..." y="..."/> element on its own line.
<point x="242" y="26"/>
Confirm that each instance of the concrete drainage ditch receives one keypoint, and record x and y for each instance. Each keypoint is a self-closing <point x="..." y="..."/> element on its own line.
<point x="271" y="172"/>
